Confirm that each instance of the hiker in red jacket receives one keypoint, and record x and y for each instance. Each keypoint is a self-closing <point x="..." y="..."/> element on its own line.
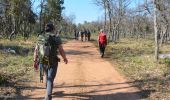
<point x="102" y="42"/>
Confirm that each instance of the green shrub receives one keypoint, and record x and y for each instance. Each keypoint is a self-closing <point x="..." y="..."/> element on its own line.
<point x="3" y="80"/>
<point x="167" y="61"/>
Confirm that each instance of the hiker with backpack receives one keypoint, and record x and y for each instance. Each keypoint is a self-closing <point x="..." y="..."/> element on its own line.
<point x="102" y="42"/>
<point x="46" y="55"/>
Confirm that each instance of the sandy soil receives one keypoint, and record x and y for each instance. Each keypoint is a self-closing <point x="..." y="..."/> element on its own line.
<point x="85" y="77"/>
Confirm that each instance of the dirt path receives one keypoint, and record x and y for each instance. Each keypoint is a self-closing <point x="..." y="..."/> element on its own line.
<point x="86" y="77"/>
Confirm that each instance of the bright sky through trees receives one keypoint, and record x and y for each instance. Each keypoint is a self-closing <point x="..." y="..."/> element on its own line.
<point x="83" y="10"/>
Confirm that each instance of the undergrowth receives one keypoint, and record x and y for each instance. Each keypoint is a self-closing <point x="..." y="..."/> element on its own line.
<point x="135" y="58"/>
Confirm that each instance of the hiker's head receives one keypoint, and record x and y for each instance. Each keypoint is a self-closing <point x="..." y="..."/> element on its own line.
<point x="101" y="30"/>
<point x="49" y="27"/>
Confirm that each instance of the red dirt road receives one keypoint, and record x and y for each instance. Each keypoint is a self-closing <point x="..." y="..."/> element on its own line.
<point x="86" y="77"/>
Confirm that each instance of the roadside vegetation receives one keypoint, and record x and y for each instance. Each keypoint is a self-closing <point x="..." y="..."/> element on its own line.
<point x="16" y="59"/>
<point x="135" y="59"/>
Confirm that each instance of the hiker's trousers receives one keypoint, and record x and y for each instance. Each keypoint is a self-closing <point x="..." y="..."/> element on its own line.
<point x="50" y="75"/>
<point x="102" y="49"/>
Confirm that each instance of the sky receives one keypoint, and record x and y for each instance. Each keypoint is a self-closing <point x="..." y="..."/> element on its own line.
<point x="83" y="10"/>
<point x="86" y="10"/>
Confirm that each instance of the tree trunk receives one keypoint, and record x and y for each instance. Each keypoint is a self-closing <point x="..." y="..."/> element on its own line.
<point x="156" y="32"/>
<point x="105" y="15"/>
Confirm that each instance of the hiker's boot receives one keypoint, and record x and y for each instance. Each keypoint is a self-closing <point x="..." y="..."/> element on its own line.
<point x="41" y="79"/>
<point x="102" y="55"/>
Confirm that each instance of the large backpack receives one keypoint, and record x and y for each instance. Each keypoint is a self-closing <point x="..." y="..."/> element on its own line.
<point x="47" y="49"/>
<point x="102" y="38"/>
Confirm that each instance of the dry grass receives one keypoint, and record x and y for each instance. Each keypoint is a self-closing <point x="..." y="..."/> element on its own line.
<point x="135" y="58"/>
<point x="16" y="67"/>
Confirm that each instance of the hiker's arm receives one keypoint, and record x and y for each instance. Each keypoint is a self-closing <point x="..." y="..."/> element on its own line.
<point x="98" y="40"/>
<point x="62" y="53"/>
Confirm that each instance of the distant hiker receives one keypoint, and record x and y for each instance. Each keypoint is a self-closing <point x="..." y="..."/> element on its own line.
<point x="82" y="35"/>
<point x="79" y="35"/>
<point x="46" y="55"/>
<point x="102" y="42"/>
<point x="88" y="34"/>
<point x="76" y="35"/>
